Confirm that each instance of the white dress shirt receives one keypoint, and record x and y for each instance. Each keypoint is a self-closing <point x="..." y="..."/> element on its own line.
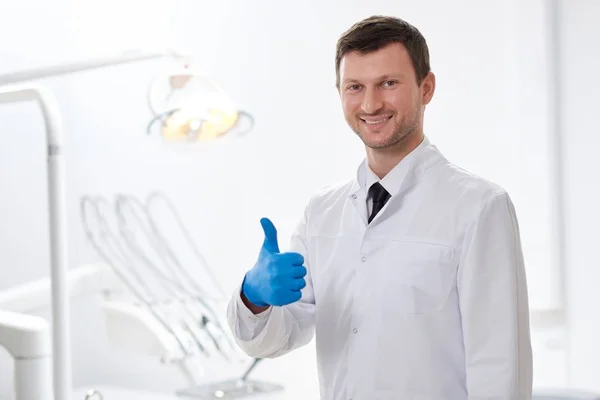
<point x="428" y="302"/>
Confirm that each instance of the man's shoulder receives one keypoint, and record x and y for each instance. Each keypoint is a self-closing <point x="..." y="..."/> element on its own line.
<point x="453" y="181"/>
<point x="467" y="186"/>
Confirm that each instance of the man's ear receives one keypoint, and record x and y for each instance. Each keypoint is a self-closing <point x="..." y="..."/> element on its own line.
<point x="427" y="88"/>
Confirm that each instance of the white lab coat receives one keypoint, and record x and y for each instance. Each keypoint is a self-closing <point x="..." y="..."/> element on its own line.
<point x="428" y="302"/>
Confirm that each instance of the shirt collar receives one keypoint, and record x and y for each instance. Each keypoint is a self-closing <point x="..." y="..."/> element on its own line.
<point x="393" y="180"/>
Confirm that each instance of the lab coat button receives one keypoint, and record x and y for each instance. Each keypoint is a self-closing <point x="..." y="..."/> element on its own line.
<point x="363" y="259"/>
<point x="354" y="196"/>
<point x="354" y="330"/>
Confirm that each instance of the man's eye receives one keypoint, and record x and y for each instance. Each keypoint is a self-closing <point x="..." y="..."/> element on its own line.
<point x="353" y="87"/>
<point x="389" y="83"/>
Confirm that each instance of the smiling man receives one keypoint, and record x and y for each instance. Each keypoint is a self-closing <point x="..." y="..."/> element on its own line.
<point x="410" y="275"/>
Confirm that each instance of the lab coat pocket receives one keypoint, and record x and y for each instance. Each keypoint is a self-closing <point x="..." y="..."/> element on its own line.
<point x="421" y="275"/>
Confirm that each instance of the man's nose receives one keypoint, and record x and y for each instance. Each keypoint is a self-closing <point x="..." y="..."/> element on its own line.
<point x="372" y="101"/>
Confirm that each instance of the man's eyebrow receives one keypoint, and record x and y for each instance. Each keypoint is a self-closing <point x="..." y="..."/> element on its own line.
<point x="392" y="76"/>
<point x="380" y="79"/>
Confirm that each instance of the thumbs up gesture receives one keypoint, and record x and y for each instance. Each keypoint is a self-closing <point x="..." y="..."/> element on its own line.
<point x="277" y="278"/>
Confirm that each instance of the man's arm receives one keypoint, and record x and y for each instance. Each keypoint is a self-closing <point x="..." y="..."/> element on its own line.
<point x="272" y="331"/>
<point x="494" y="305"/>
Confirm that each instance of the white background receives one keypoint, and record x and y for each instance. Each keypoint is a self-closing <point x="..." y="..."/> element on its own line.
<point x="492" y="114"/>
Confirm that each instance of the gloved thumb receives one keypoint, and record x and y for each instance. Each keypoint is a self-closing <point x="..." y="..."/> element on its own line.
<point x="270" y="242"/>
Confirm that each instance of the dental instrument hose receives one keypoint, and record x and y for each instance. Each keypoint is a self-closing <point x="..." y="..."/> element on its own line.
<point x="145" y="276"/>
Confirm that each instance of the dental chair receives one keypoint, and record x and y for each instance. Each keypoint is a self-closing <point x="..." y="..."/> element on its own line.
<point x="27" y="339"/>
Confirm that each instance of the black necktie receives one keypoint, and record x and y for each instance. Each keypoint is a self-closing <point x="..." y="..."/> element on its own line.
<point x="380" y="196"/>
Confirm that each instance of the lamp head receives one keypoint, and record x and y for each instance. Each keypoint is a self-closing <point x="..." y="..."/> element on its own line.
<point x="191" y="107"/>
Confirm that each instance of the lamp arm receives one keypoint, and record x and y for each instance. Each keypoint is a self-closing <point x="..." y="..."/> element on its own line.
<point x="78" y="66"/>
<point x="56" y="193"/>
<point x="58" y="236"/>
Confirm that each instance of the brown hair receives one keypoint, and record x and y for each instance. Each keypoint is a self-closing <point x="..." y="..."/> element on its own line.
<point x="376" y="32"/>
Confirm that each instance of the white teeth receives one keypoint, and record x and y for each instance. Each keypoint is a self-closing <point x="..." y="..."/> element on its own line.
<point x="376" y="122"/>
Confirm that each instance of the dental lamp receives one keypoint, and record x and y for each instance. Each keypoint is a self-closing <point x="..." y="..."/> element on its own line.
<point x="179" y="122"/>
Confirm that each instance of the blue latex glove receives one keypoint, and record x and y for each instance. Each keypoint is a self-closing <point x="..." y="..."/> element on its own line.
<point x="277" y="278"/>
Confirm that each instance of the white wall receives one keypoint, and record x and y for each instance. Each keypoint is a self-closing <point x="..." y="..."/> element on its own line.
<point x="580" y="36"/>
<point x="276" y="60"/>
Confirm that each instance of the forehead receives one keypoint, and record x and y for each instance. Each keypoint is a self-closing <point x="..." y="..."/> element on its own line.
<point x="392" y="59"/>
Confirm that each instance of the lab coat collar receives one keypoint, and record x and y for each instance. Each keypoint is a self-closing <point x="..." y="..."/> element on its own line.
<point x="392" y="182"/>
<point x="401" y="177"/>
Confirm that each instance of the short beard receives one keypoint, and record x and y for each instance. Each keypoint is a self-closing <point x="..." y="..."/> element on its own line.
<point x="402" y="131"/>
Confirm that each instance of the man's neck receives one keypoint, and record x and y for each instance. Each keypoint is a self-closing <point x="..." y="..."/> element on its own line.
<point x="382" y="161"/>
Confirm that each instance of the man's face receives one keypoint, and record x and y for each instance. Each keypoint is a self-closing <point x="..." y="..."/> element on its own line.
<point x="381" y="100"/>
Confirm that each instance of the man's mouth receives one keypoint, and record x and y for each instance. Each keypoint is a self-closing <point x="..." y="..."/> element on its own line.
<point x="374" y="121"/>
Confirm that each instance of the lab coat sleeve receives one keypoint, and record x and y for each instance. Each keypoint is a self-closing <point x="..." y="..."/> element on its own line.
<point x="494" y="306"/>
<point x="247" y="324"/>
<point x="278" y="330"/>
